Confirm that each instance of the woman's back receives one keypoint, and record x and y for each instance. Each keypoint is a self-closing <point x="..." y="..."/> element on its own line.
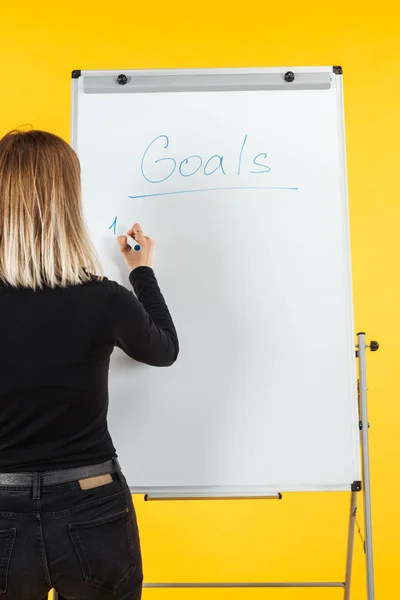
<point x="54" y="355"/>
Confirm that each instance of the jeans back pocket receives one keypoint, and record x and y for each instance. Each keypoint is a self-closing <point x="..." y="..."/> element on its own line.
<point x="7" y="538"/>
<point x="105" y="550"/>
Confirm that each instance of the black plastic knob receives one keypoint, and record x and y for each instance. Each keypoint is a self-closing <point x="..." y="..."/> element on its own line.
<point x="289" y="76"/>
<point x="122" y="79"/>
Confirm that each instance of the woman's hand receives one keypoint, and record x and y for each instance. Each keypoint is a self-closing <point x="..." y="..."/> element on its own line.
<point x="143" y="258"/>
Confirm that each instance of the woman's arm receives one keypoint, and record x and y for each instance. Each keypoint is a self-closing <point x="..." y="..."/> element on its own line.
<point x="142" y="326"/>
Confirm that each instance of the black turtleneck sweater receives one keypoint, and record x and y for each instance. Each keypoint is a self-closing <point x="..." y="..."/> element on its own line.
<point x="55" y="347"/>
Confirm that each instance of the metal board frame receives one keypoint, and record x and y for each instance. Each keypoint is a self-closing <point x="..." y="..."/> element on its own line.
<point x="197" y="80"/>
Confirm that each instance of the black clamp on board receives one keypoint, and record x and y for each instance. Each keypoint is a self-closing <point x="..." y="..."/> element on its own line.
<point x="289" y="76"/>
<point x="122" y="79"/>
<point x="356" y="486"/>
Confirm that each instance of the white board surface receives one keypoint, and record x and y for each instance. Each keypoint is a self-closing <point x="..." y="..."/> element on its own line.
<point x="253" y="257"/>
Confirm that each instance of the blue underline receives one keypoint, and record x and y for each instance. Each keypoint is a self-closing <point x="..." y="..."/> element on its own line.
<point x="252" y="187"/>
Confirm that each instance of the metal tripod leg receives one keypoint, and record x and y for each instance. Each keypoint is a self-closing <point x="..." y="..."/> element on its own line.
<point x="365" y="464"/>
<point x="350" y="545"/>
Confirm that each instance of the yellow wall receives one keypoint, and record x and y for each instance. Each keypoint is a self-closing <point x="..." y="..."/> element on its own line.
<point x="41" y="42"/>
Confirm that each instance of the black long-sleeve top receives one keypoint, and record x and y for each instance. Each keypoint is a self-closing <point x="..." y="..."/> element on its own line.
<point x="55" y="347"/>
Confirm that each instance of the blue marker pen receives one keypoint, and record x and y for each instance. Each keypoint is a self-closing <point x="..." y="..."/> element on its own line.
<point x="136" y="247"/>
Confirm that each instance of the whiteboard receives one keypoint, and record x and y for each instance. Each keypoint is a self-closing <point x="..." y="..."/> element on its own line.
<point x="240" y="178"/>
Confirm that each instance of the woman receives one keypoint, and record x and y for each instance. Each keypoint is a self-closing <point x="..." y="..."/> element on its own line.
<point x="66" y="514"/>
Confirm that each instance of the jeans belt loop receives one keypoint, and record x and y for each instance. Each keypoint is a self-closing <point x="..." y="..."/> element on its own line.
<point x="36" y="486"/>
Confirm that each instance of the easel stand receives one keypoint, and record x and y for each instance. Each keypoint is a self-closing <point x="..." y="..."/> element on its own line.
<point x="366" y="490"/>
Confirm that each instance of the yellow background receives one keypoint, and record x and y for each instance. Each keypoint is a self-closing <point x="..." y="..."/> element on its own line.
<point x="300" y="537"/>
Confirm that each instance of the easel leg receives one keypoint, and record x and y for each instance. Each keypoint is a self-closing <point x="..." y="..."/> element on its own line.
<point x="365" y="466"/>
<point x="350" y="545"/>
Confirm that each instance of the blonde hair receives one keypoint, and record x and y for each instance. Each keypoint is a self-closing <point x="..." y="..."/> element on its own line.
<point x="43" y="238"/>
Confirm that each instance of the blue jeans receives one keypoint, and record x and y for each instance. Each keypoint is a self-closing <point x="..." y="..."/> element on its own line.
<point x="84" y="543"/>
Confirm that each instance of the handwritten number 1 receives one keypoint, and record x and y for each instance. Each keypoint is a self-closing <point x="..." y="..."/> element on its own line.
<point x="114" y="225"/>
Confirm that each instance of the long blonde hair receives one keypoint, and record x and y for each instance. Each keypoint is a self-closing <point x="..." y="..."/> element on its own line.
<point x="43" y="238"/>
